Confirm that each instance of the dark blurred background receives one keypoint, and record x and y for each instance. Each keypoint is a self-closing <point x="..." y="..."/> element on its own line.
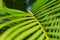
<point x="18" y="4"/>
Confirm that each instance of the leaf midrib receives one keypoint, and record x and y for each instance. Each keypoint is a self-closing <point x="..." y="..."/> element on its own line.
<point x="40" y="25"/>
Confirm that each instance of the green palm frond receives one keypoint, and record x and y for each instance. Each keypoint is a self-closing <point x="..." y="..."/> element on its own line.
<point x="42" y="22"/>
<point x="48" y="14"/>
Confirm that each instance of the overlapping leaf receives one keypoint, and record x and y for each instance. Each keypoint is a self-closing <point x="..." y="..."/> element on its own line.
<point x="48" y="14"/>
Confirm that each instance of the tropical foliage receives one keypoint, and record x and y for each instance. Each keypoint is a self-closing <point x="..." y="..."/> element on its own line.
<point x="18" y="4"/>
<point x="42" y="22"/>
